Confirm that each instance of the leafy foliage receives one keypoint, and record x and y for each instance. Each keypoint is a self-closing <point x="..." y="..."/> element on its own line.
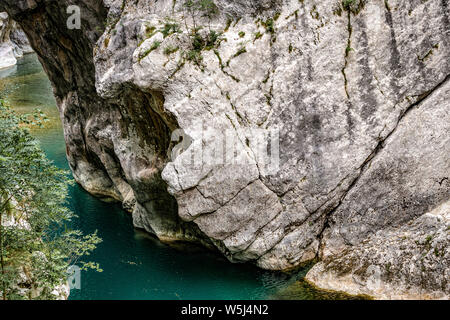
<point x="170" y="49"/>
<point x="155" y="45"/>
<point x="200" y="40"/>
<point x="347" y="4"/>
<point x="200" y="8"/>
<point x="169" y="29"/>
<point x="353" y="6"/>
<point x="34" y="239"/>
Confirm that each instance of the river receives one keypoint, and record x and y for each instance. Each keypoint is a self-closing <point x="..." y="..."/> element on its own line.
<point x="135" y="265"/>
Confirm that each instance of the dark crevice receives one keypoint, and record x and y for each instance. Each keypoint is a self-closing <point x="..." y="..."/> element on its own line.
<point x="348" y="48"/>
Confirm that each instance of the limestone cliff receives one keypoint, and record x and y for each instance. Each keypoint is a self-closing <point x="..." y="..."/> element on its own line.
<point x="356" y="91"/>
<point x="13" y="42"/>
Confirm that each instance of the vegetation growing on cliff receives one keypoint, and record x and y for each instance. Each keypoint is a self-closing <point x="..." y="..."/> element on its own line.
<point x="207" y="10"/>
<point x="200" y="8"/>
<point x="36" y="247"/>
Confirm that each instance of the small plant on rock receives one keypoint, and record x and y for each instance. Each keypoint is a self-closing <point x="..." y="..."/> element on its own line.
<point x="200" y="8"/>
<point x="155" y="45"/>
<point x="169" y="29"/>
<point x="200" y="41"/>
<point x="170" y="49"/>
<point x="353" y="6"/>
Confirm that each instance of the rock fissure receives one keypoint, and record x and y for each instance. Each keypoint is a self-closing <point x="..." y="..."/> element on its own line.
<point x="378" y="149"/>
<point x="217" y="202"/>
<point x="348" y="48"/>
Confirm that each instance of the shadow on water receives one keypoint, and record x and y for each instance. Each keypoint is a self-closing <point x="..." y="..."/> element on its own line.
<point x="136" y="266"/>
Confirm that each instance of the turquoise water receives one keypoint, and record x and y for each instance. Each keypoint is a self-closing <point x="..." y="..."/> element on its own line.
<point x="136" y="266"/>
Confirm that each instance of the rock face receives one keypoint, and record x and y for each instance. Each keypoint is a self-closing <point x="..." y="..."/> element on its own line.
<point x="409" y="257"/>
<point x="350" y="99"/>
<point x="13" y="42"/>
<point x="411" y="261"/>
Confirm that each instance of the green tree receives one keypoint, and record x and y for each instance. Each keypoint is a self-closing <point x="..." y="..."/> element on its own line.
<point x="205" y="9"/>
<point x="36" y="247"/>
<point x="200" y="8"/>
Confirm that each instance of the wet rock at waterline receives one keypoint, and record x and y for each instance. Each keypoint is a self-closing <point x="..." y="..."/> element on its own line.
<point x="355" y="95"/>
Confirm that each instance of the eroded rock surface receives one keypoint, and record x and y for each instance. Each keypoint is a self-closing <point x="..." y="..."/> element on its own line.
<point x="13" y="42"/>
<point x="412" y="261"/>
<point x="409" y="258"/>
<point x="357" y="94"/>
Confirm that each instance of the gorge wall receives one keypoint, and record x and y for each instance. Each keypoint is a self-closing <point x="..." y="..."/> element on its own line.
<point x="13" y="42"/>
<point x="357" y="92"/>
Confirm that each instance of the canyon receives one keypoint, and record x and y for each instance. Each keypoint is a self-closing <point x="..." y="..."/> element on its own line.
<point x="13" y="42"/>
<point x="357" y="92"/>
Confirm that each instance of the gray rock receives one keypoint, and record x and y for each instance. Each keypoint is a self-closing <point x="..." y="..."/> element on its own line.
<point x="7" y="57"/>
<point x="13" y="42"/>
<point x="379" y="242"/>
<point x="409" y="262"/>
